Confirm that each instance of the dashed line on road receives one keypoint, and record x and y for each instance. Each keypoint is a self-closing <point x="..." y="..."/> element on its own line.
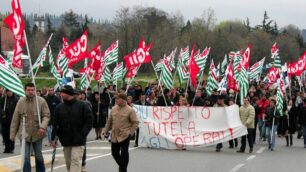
<point x="260" y="150"/>
<point x="237" y="167"/>
<point x="251" y="157"/>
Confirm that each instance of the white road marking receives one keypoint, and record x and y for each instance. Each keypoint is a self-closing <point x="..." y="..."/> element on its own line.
<point x="251" y="157"/>
<point x="237" y="167"/>
<point x="261" y="150"/>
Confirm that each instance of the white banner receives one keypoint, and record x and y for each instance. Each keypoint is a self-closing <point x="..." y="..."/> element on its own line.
<point x="180" y="127"/>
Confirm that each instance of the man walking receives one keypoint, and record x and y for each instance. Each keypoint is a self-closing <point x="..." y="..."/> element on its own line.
<point x="123" y="123"/>
<point x="8" y="105"/>
<point x="247" y="115"/>
<point x="26" y="109"/>
<point x="72" y="122"/>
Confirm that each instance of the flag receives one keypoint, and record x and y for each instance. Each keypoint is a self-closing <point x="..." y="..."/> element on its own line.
<point x="99" y="72"/>
<point x="224" y="64"/>
<point x="107" y="76"/>
<point x="275" y="55"/>
<point x="139" y="56"/>
<point x="193" y="68"/>
<point x="256" y="69"/>
<point x="237" y="60"/>
<point x="40" y="61"/>
<point x="63" y="66"/>
<point x="159" y="64"/>
<point x="117" y="72"/>
<point x="280" y="96"/>
<point x="166" y="75"/>
<point x="212" y="81"/>
<point x="246" y="58"/>
<point x="201" y="60"/>
<point x="9" y="79"/>
<point x="95" y="60"/>
<point x="77" y="51"/>
<point x="297" y="68"/>
<point x="243" y="83"/>
<point x="111" y="54"/>
<point x="273" y="75"/>
<point x="85" y="81"/>
<point x="232" y="84"/>
<point x="53" y="69"/>
<point x="61" y="60"/>
<point x="182" y="70"/>
<point x="15" y="23"/>
<point x="132" y="71"/>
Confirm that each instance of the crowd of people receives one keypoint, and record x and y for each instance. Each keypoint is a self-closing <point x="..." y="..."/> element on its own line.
<point x="68" y="115"/>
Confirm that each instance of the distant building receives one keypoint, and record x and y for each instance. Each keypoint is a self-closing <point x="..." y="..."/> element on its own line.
<point x="304" y="35"/>
<point x="40" y="22"/>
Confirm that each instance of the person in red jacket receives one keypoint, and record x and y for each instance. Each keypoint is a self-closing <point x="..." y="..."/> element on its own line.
<point x="263" y="103"/>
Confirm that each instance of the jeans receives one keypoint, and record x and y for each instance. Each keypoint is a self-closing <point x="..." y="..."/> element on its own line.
<point x="268" y="134"/>
<point x="39" y="159"/>
<point x="304" y="135"/>
<point x="49" y="131"/>
<point x="120" y="152"/>
<point x="261" y="128"/>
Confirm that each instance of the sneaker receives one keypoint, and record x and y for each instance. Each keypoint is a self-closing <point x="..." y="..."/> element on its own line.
<point x="240" y="151"/>
<point x="251" y="150"/>
<point x="218" y="150"/>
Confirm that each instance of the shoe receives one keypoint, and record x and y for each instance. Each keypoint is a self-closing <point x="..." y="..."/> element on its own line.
<point x="6" y="151"/>
<point x="218" y="150"/>
<point x="272" y="149"/>
<point x="240" y="151"/>
<point x="135" y="145"/>
<point x="231" y="147"/>
<point x="304" y="146"/>
<point x="83" y="169"/>
<point x="251" y="150"/>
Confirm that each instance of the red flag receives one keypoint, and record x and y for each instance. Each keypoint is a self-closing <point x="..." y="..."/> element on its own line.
<point x="16" y="24"/>
<point x="297" y="68"/>
<point x="139" y="56"/>
<point x="274" y="48"/>
<point x="77" y="51"/>
<point x="193" y="68"/>
<point x="246" y="58"/>
<point x="273" y="75"/>
<point x="232" y="84"/>
<point x="132" y="71"/>
<point x="99" y="72"/>
<point x="95" y="61"/>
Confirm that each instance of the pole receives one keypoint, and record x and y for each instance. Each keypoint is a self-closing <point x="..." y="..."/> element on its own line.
<point x="33" y="78"/>
<point x="159" y="84"/>
<point x="272" y="128"/>
<point x="53" y="156"/>
<point x="23" y="142"/>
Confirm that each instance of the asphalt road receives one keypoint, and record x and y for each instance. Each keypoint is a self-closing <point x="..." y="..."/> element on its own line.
<point x="282" y="159"/>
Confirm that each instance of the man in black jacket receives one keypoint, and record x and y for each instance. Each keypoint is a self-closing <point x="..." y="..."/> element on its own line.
<point x="8" y="105"/>
<point x="302" y="119"/>
<point x="72" y="123"/>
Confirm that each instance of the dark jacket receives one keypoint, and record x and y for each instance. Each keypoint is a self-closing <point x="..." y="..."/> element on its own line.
<point x="72" y="122"/>
<point x="161" y="101"/>
<point x="302" y="115"/>
<point x="7" y="112"/>
<point x="138" y="102"/>
<point x="270" y="115"/>
<point x="52" y="102"/>
<point x="198" y="101"/>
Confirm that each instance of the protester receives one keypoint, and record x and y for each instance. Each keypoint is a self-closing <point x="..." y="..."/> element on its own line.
<point x="72" y="123"/>
<point x="220" y="103"/>
<point x="123" y="123"/>
<point x="271" y="116"/>
<point x="302" y="119"/>
<point x="35" y="132"/>
<point x="8" y="104"/>
<point x="247" y="113"/>
<point x="52" y="101"/>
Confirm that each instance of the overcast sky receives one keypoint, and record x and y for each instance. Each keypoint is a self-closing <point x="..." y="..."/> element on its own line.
<point x="284" y="12"/>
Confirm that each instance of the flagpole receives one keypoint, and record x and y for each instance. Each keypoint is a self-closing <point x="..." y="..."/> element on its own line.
<point x="187" y="86"/>
<point x="159" y="83"/>
<point x="33" y="78"/>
